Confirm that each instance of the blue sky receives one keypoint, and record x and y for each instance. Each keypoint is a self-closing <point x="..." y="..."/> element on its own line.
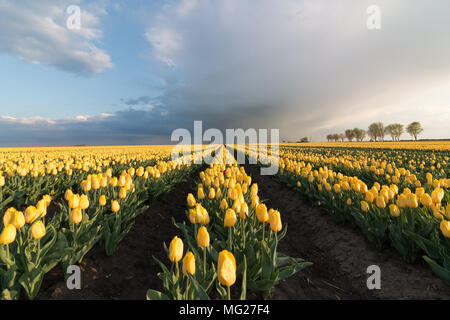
<point x="137" y="70"/>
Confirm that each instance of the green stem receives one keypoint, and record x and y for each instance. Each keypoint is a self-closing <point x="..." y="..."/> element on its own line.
<point x="204" y="261"/>
<point x="187" y="288"/>
<point x="178" y="271"/>
<point x="230" y="237"/>
<point x="7" y="255"/>
<point x="228" y="293"/>
<point x="243" y="231"/>
<point x="38" y="251"/>
<point x="264" y="227"/>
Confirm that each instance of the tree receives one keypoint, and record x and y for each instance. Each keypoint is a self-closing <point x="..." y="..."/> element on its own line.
<point x="329" y="137"/>
<point x="414" y="128"/>
<point x="395" y="131"/>
<point x="341" y="136"/>
<point x="304" y="139"/>
<point x="360" y="134"/>
<point x="376" y="131"/>
<point x="350" y="134"/>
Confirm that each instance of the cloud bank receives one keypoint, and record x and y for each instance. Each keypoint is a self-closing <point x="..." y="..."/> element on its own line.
<point x="36" y="32"/>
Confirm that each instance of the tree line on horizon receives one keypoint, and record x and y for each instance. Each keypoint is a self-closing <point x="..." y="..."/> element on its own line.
<point x="377" y="131"/>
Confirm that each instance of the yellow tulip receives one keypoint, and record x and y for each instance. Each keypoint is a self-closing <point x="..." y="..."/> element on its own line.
<point x="230" y="218"/>
<point x="425" y="200"/>
<point x="380" y="202"/>
<point x="190" y="200"/>
<point x="102" y="200"/>
<point x="74" y="201"/>
<point x="68" y="194"/>
<point x="437" y="195"/>
<point x="337" y="188"/>
<point x="394" y="210"/>
<point x="8" y="234"/>
<point x="84" y="202"/>
<point x="76" y="216"/>
<point x="212" y="193"/>
<point x="364" y="206"/>
<point x="189" y="263"/>
<point x="122" y="193"/>
<point x="445" y="228"/>
<point x="411" y="200"/>
<point x="115" y="207"/>
<point x="275" y="221"/>
<point x="37" y="230"/>
<point x="200" y="194"/>
<point x="244" y="211"/>
<point x="203" y="237"/>
<point x="176" y="249"/>
<point x="223" y="204"/>
<point x="30" y="214"/>
<point x="226" y="268"/>
<point x="261" y="213"/>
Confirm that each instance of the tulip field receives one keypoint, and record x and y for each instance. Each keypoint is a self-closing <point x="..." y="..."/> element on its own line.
<point x="60" y="205"/>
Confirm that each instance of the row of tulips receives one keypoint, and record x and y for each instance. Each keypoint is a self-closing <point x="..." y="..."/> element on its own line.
<point x="230" y="237"/>
<point x="413" y="221"/>
<point x="100" y="209"/>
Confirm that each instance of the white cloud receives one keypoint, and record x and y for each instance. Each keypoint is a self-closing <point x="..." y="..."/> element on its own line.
<point x="36" y="32"/>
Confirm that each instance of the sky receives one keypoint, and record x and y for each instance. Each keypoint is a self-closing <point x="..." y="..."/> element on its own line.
<point x="137" y="70"/>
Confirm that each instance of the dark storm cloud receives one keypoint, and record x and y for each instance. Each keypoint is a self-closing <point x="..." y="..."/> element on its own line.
<point x="307" y="67"/>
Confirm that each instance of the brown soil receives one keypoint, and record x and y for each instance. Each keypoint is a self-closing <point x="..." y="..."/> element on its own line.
<point x="340" y="254"/>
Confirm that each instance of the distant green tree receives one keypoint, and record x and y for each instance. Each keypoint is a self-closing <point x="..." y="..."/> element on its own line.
<point x="414" y="129"/>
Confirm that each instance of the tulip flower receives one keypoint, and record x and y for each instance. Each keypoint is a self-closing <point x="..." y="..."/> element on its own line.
<point x="8" y="234"/>
<point x="84" y="202"/>
<point x="176" y="249"/>
<point x="102" y="200"/>
<point x="445" y="228"/>
<point x="30" y="214"/>
<point x="76" y="215"/>
<point x="411" y="200"/>
<point x="425" y="199"/>
<point x="190" y="200"/>
<point x="275" y="221"/>
<point x="380" y="202"/>
<point x="226" y="270"/>
<point x="115" y="207"/>
<point x="364" y="206"/>
<point x="394" y="210"/>
<point x="189" y="263"/>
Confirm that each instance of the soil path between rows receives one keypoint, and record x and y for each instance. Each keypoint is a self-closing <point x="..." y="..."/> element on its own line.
<point x="340" y="255"/>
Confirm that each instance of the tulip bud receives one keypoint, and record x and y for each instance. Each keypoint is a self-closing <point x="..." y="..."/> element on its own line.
<point x="74" y="202"/>
<point x="189" y="263"/>
<point x="37" y="230"/>
<point x="8" y="234"/>
<point x="244" y="211"/>
<point x="394" y="210"/>
<point x="30" y="214"/>
<point x="230" y="218"/>
<point x="190" y="200"/>
<point x="200" y="194"/>
<point x="380" y="202"/>
<point x="275" y="221"/>
<point x="68" y="194"/>
<point x="425" y="199"/>
<point x="102" y="200"/>
<point x="176" y="249"/>
<point x="445" y="228"/>
<point x="226" y="268"/>
<point x="223" y="204"/>
<point x="115" y="207"/>
<point x="122" y="193"/>
<point x="76" y="216"/>
<point x="84" y="202"/>
<point x="261" y="212"/>
<point x="411" y="200"/>
<point x="203" y="237"/>
<point x="14" y="217"/>
<point x="212" y="193"/>
<point x="364" y="206"/>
